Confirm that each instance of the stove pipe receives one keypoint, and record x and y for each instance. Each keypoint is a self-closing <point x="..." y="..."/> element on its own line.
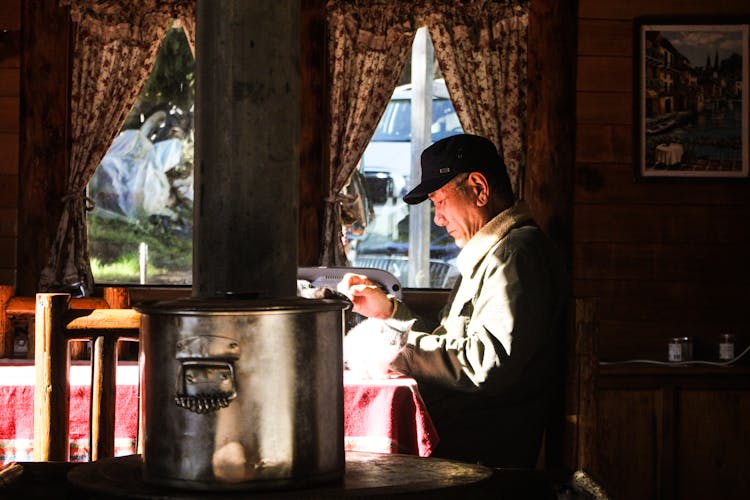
<point x="247" y="107"/>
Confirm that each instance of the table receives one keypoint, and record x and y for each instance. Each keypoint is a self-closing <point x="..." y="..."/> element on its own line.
<point x="385" y="416"/>
<point x="367" y="475"/>
<point x="17" y="410"/>
<point x="669" y="154"/>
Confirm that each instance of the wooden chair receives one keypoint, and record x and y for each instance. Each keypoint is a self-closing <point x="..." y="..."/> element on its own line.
<point x="14" y="308"/>
<point x="56" y="324"/>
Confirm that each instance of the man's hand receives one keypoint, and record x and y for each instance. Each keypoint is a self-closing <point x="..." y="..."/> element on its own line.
<point x="367" y="298"/>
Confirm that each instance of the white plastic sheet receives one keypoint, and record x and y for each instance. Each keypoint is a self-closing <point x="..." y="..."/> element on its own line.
<point x="131" y="179"/>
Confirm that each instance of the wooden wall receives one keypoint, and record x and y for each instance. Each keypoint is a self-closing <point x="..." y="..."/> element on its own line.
<point x="664" y="258"/>
<point x="10" y="71"/>
<point x="659" y="259"/>
<point x="313" y="150"/>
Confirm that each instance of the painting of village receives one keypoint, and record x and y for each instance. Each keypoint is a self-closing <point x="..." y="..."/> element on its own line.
<point x="693" y="101"/>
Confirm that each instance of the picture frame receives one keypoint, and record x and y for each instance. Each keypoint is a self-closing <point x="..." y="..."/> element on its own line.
<point x="691" y="98"/>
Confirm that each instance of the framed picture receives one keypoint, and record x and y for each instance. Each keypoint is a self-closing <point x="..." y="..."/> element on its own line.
<point x="691" y="98"/>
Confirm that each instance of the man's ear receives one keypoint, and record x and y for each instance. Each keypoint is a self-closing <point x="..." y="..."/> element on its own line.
<point x="480" y="187"/>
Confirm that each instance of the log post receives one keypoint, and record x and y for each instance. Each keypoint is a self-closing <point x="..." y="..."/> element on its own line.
<point x="103" y="396"/>
<point x="6" y="325"/>
<point x="119" y="298"/>
<point x="586" y="327"/>
<point x="52" y="387"/>
<point x="548" y="188"/>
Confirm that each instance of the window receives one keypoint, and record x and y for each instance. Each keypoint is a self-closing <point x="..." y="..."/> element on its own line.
<point x="140" y="230"/>
<point x="387" y="166"/>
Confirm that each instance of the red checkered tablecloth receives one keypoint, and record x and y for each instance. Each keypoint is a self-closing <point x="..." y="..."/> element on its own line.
<point x="385" y="416"/>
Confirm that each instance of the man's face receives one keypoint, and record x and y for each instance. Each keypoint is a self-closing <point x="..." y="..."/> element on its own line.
<point x="456" y="210"/>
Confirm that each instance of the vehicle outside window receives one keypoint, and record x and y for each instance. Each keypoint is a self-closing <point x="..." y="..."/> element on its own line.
<point x="386" y="165"/>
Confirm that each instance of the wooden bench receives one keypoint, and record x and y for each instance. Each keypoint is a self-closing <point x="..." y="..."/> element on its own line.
<point x="59" y="319"/>
<point x="56" y="324"/>
<point x="14" y="308"/>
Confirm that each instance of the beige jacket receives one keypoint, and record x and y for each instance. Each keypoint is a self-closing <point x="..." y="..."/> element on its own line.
<point x="499" y="341"/>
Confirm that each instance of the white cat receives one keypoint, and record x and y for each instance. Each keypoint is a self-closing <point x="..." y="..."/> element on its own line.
<point x="373" y="344"/>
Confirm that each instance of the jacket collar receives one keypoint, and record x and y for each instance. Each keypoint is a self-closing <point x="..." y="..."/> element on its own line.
<point x="487" y="237"/>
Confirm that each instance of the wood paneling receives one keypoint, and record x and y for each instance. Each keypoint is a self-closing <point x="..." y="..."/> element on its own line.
<point x="551" y="111"/>
<point x="614" y="9"/>
<point x="10" y="48"/>
<point x="8" y="154"/>
<point x="10" y="15"/>
<point x="9" y="113"/>
<point x="43" y="169"/>
<point x="597" y="9"/>
<point x="627" y="428"/>
<point x="8" y="224"/>
<point x="314" y="131"/>
<point x="605" y="74"/>
<point x="712" y="446"/>
<point x="9" y="82"/>
<point x="603" y="183"/>
<point x="604" y="108"/>
<point x="664" y="224"/>
<point x="603" y="143"/>
<point x="10" y="57"/>
<point x="638" y="340"/>
<point x="635" y="340"/>
<point x="603" y="37"/>
<point x="661" y="258"/>
<point x="9" y="190"/>
<point x="702" y="262"/>
<point x="673" y="433"/>
<point x="8" y="275"/>
<point x="7" y="252"/>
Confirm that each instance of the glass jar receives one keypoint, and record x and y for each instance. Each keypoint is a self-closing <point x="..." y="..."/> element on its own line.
<point x="680" y="349"/>
<point x="726" y="347"/>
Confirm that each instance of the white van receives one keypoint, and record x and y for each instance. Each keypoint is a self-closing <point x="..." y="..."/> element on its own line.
<point x="386" y="165"/>
<point x="390" y="147"/>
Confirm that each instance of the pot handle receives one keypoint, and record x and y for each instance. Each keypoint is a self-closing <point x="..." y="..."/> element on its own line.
<point x="205" y="386"/>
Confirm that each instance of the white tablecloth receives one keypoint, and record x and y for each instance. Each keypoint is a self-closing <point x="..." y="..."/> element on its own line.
<point x="669" y="154"/>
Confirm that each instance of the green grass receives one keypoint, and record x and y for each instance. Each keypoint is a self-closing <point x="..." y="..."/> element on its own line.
<point x="127" y="269"/>
<point x="113" y="246"/>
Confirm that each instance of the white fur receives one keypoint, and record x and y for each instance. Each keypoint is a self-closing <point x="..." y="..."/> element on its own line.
<point x="372" y="345"/>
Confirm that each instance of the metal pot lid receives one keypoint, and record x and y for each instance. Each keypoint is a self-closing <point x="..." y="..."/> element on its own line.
<point x="237" y="305"/>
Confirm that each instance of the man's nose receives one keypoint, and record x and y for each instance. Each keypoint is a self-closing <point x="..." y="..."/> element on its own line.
<point x="439" y="219"/>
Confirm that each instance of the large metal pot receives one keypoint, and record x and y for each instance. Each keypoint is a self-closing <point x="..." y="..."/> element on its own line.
<point x="242" y="394"/>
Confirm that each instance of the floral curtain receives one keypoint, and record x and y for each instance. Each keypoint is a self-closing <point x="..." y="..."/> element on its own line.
<point x="187" y="20"/>
<point x="481" y="46"/>
<point x="115" y="46"/>
<point x="368" y="45"/>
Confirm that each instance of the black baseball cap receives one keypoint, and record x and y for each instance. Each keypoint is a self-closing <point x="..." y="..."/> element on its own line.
<point x="445" y="159"/>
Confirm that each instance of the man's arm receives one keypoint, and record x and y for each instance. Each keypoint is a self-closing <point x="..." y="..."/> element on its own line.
<point x="489" y="342"/>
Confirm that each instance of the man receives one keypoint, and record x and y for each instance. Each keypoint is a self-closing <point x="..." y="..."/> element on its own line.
<point x="490" y="371"/>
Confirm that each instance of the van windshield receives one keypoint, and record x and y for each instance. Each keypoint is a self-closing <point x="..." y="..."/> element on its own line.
<point x="395" y="125"/>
